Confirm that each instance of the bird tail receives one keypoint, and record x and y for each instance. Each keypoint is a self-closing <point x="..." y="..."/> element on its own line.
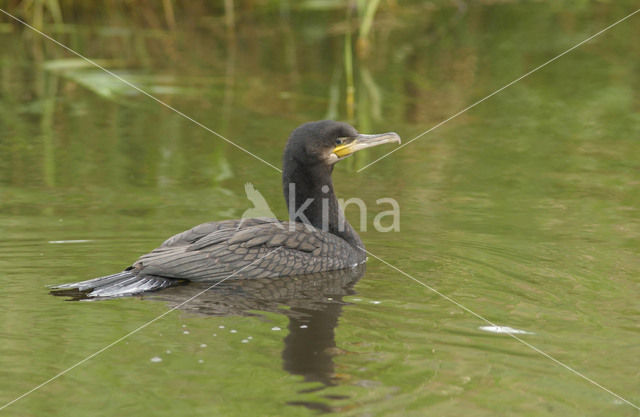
<point x="121" y="284"/>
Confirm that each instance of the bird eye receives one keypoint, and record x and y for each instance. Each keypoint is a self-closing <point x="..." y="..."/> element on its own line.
<point x="338" y="141"/>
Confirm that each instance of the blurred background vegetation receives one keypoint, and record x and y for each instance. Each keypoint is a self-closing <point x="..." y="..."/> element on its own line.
<point x="252" y="70"/>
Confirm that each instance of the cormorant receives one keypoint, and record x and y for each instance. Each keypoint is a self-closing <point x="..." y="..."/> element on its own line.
<point x="316" y="238"/>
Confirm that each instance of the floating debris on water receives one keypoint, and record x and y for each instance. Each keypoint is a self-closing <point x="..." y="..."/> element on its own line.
<point x="168" y="352"/>
<point x="245" y="340"/>
<point x="203" y="345"/>
<point x="70" y="241"/>
<point x="376" y="302"/>
<point x="156" y="359"/>
<point x="233" y="331"/>
<point x="303" y="326"/>
<point x="503" y="329"/>
<point x="276" y="329"/>
<point x="186" y="332"/>
<point x="221" y="327"/>
<point x="200" y="361"/>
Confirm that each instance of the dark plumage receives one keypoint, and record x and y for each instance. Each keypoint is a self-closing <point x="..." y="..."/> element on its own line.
<point x="316" y="238"/>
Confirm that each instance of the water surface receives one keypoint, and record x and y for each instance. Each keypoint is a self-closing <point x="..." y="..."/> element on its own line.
<point x="524" y="210"/>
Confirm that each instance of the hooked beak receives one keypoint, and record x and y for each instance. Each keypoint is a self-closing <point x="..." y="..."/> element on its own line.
<point x="351" y="145"/>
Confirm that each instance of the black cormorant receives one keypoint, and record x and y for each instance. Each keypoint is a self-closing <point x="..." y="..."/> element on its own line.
<point x="316" y="238"/>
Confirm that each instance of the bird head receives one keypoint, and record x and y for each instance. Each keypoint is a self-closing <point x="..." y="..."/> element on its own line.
<point x="327" y="142"/>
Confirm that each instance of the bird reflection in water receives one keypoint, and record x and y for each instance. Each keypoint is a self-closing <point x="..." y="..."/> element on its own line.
<point x="313" y="305"/>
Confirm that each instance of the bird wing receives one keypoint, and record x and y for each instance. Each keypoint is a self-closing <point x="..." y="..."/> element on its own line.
<point x="198" y="232"/>
<point x="258" y="248"/>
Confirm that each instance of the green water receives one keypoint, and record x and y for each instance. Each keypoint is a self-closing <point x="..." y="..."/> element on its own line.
<point x="525" y="210"/>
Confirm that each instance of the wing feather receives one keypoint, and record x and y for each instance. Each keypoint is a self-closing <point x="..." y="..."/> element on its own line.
<point x="215" y="250"/>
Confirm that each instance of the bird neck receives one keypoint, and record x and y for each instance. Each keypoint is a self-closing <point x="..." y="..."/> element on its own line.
<point x="311" y="199"/>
